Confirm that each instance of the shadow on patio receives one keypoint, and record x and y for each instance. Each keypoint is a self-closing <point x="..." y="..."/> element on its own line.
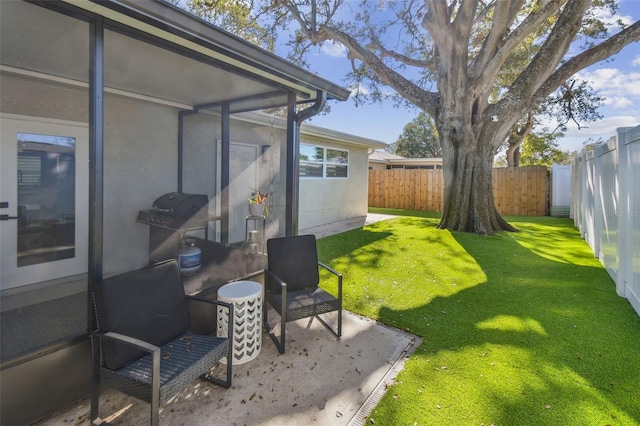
<point x="319" y="380"/>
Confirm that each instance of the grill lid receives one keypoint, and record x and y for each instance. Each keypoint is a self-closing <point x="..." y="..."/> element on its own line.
<point x="176" y="210"/>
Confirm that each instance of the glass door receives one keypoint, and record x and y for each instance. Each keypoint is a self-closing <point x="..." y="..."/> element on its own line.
<point x="44" y="199"/>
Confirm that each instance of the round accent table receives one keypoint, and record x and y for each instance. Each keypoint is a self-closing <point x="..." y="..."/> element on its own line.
<point x="246" y="297"/>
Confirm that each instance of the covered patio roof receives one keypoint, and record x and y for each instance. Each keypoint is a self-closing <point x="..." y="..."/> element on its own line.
<point x="146" y="56"/>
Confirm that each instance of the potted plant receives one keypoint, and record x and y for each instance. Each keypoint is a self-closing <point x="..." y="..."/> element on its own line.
<point x="258" y="203"/>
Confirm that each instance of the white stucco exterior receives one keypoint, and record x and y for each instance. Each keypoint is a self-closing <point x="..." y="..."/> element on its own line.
<point x="140" y="162"/>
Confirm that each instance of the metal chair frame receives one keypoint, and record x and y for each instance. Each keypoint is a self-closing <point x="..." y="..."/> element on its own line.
<point x="302" y="303"/>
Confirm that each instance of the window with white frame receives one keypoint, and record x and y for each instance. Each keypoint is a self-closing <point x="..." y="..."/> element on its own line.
<point x="322" y="162"/>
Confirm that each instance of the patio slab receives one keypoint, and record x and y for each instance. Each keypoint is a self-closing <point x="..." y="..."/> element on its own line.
<point x="345" y="225"/>
<point x="318" y="380"/>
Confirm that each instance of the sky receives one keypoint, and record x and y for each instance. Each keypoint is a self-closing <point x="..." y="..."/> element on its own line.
<point x="617" y="80"/>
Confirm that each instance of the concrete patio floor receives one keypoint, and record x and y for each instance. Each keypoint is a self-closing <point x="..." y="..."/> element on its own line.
<point x="319" y="380"/>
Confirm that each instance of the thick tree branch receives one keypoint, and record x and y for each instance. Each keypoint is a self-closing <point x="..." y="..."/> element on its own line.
<point x="505" y="47"/>
<point x="589" y="57"/>
<point x="375" y="44"/>
<point x="503" y="17"/>
<point x="427" y="101"/>
<point x="436" y="22"/>
<point x="551" y="53"/>
<point x="297" y="16"/>
<point x="463" y="22"/>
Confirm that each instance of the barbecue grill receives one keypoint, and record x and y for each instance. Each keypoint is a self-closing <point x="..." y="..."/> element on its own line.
<point x="169" y="218"/>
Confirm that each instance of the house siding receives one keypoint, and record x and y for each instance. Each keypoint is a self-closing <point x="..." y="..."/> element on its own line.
<point x="324" y="201"/>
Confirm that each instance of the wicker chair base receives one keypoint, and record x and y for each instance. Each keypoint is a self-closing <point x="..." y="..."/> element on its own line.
<point x="306" y="303"/>
<point x="182" y="361"/>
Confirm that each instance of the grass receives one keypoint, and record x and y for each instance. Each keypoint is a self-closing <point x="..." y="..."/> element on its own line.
<point x="518" y="329"/>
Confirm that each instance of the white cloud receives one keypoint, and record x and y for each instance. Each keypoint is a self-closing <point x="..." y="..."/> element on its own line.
<point x="611" y="21"/>
<point x="601" y="129"/>
<point x="636" y="61"/>
<point x="613" y="81"/>
<point x="333" y="49"/>
<point x="618" y="102"/>
<point x="617" y="86"/>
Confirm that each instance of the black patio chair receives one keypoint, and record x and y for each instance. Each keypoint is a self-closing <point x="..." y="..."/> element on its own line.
<point x="143" y="346"/>
<point x="291" y="285"/>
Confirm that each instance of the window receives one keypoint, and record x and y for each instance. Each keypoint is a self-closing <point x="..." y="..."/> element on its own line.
<point x="46" y="198"/>
<point x="321" y="162"/>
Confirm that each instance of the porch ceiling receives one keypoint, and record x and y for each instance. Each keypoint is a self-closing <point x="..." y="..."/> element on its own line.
<point x="145" y="61"/>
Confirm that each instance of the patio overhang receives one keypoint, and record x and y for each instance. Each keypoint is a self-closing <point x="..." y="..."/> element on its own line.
<point x="228" y="69"/>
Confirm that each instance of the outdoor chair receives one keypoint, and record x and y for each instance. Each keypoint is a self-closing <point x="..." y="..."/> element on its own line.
<point x="291" y="285"/>
<point x="143" y="346"/>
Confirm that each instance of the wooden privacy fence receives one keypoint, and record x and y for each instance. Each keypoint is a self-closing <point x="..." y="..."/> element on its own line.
<point x="519" y="191"/>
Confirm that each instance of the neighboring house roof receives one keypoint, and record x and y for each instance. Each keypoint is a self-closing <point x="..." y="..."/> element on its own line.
<point x="309" y="130"/>
<point x="388" y="158"/>
<point x="383" y="157"/>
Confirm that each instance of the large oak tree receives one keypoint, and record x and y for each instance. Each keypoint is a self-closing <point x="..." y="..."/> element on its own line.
<point x="449" y="58"/>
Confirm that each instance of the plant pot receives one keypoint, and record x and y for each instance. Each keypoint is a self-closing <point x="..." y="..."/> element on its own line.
<point x="256" y="209"/>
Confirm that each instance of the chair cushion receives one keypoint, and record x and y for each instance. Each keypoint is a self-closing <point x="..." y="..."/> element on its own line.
<point x="148" y="304"/>
<point x="294" y="260"/>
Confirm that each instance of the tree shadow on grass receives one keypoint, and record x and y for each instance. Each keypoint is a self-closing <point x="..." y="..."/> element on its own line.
<point x="541" y="341"/>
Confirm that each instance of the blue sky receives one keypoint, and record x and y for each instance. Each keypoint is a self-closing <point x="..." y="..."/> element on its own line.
<point x="618" y="81"/>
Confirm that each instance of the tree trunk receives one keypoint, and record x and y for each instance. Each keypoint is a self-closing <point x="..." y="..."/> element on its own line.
<point x="513" y="155"/>
<point x="468" y="187"/>
<point x="516" y="137"/>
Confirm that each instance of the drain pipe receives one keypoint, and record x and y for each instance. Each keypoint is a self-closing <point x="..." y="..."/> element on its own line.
<point x="294" y="121"/>
<point x="321" y="100"/>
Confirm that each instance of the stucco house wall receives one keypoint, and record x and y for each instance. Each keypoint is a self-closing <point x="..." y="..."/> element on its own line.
<point x="140" y="162"/>
<point x="139" y="158"/>
<point x="327" y="200"/>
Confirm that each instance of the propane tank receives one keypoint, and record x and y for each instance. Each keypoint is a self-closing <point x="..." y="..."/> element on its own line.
<point x="189" y="258"/>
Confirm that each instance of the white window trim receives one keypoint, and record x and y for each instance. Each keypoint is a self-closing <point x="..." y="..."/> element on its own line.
<point x="326" y="163"/>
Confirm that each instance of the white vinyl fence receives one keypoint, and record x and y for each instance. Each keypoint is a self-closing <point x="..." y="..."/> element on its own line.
<point x="605" y="207"/>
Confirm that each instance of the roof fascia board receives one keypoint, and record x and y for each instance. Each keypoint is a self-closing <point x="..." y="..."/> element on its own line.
<point x="310" y="130"/>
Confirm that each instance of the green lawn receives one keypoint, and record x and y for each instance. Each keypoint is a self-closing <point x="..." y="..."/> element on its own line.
<point x="518" y="329"/>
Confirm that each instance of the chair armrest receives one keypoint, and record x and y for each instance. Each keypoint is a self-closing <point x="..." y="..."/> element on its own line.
<point x="131" y="341"/>
<point x="229" y="306"/>
<point x="140" y="344"/>
<point x="277" y="279"/>
<point x="337" y="274"/>
<point x="253" y="274"/>
<point x="230" y="323"/>
<point x="328" y="268"/>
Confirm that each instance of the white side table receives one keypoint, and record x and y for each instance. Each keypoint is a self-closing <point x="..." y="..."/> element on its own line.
<point x="246" y="297"/>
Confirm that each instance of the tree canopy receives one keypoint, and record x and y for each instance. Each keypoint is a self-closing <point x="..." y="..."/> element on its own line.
<point x="419" y="139"/>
